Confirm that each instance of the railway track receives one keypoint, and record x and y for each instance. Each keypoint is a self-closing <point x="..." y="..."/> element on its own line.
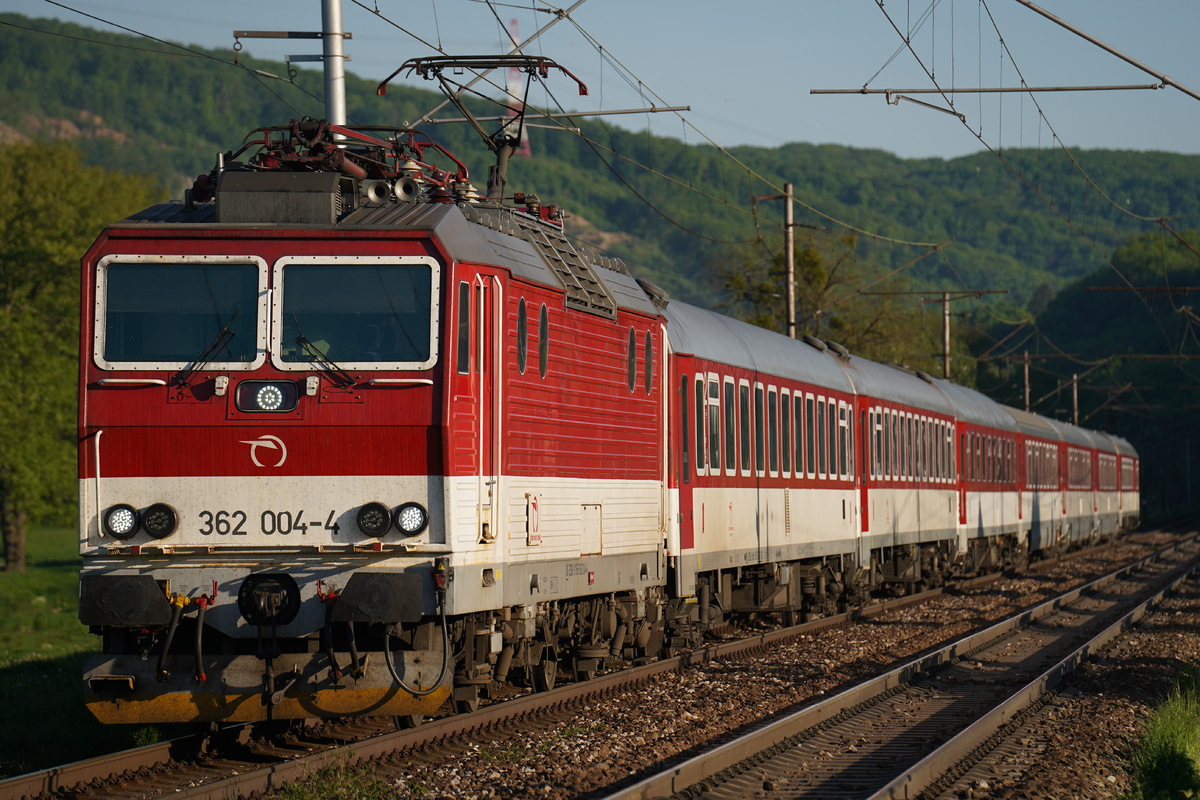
<point x="918" y="727"/>
<point x="184" y="768"/>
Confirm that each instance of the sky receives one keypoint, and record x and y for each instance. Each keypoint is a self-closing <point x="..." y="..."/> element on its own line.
<point x="746" y="69"/>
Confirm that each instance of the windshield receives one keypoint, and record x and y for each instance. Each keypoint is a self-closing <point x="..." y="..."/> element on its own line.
<point x="358" y="314"/>
<point x="168" y="314"/>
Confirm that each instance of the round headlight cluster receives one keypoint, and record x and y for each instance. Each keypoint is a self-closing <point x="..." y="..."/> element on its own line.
<point x="411" y="518"/>
<point x="272" y="397"/>
<point x="122" y="521"/>
<point x="374" y="519"/>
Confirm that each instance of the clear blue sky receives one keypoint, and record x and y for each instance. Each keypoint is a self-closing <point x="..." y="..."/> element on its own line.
<point x="746" y="68"/>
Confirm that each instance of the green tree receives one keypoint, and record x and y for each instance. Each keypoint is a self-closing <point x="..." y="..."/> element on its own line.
<point x="828" y="273"/>
<point x="51" y="208"/>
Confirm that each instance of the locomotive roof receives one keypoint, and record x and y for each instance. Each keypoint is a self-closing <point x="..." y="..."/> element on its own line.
<point x="480" y="235"/>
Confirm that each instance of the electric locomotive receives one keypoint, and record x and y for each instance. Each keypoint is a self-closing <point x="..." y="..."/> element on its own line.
<point x="352" y="442"/>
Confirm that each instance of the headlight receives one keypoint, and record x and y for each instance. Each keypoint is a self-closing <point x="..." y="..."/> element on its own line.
<point x="120" y="521"/>
<point x="411" y="518"/>
<point x="268" y="396"/>
<point x="160" y="520"/>
<point x="374" y="519"/>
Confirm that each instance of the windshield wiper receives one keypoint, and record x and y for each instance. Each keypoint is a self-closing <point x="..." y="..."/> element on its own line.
<point x="342" y="378"/>
<point x="220" y="341"/>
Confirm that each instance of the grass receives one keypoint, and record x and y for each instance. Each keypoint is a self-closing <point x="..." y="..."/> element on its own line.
<point x="1166" y="763"/>
<point x="337" y="782"/>
<point x="43" y="722"/>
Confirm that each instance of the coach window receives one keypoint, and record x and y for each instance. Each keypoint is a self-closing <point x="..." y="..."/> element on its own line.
<point x="821" y="440"/>
<point x="877" y="444"/>
<point x="885" y="469"/>
<point x="648" y="349"/>
<point x="522" y="337"/>
<point x="684" y="400"/>
<point x="798" y="432"/>
<point x="785" y="430"/>
<point x="464" y="328"/>
<point x="744" y="427"/>
<point x="773" y="431"/>
<point x="730" y="410"/>
<point x="714" y="425"/>
<point x="810" y="436"/>
<point x="701" y="450"/>
<point x="543" y="340"/>
<point x="760" y="454"/>
<point x="843" y="444"/>
<point x="831" y="409"/>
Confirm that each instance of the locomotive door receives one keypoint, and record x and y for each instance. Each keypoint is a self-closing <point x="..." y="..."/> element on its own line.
<point x="489" y="341"/>
<point x="473" y="413"/>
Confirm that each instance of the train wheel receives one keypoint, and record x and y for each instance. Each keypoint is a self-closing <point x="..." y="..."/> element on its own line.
<point x="545" y="673"/>
<point x="584" y="669"/>
<point x="409" y="721"/>
<point x="466" y="699"/>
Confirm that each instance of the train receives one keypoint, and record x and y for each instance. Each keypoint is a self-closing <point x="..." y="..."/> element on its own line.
<point x="356" y="440"/>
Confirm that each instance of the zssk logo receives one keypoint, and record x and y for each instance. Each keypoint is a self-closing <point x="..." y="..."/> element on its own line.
<point x="267" y="442"/>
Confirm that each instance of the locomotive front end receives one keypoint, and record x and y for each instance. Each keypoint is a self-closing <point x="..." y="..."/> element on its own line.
<point x="261" y="492"/>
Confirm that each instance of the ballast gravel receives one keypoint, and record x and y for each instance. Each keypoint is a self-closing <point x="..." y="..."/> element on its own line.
<point x="1077" y="748"/>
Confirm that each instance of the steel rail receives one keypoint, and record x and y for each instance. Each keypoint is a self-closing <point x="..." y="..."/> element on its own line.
<point x="727" y="757"/>
<point x="933" y="767"/>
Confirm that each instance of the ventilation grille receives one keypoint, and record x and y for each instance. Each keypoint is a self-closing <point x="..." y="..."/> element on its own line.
<point x="584" y="290"/>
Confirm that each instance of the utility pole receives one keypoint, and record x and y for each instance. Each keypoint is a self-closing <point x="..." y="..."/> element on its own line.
<point x="1027" y="381"/>
<point x="789" y="249"/>
<point x="946" y="335"/>
<point x="335" y="61"/>
<point x="1075" y="397"/>
<point x="333" y="55"/>
<point x="945" y="301"/>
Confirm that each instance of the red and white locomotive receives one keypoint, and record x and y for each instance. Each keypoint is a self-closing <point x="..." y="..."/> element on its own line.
<point x="353" y="440"/>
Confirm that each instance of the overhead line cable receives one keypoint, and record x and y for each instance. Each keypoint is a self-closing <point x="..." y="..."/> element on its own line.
<point x="1016" y="173"/>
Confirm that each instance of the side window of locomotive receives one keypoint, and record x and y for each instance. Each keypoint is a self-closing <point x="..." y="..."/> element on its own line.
<point x="649" y="359"/>
<point x="358" y="312"/>
<point x="714" y="426"/>
<point x="522" y="337"/>
<point x="632" y="359"/>
<point x="730" y="409"/>
<point x="166" y="315"/>
<point x="543" y="340"/>
<point x="744" y="427"/>
<point x="463" y="339"/>
<point x="701" y="450"/>
<point x="760" y="456"/>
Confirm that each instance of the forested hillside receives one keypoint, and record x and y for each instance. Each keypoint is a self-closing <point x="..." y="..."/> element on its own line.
<point x="136" y="105"/>
<point x="1028" y="223"/>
